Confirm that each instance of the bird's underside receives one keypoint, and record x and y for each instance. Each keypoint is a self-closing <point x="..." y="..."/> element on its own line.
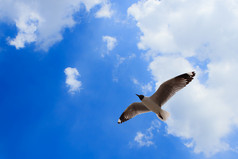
<point x="160" y="97"/>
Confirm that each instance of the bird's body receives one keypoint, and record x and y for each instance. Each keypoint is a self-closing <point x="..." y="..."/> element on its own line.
<point x="154" y="107"/>
<point x="151" y="105"/>
<point x="155" y="102"/>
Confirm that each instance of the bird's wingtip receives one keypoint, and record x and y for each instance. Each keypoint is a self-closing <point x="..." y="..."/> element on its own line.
<point x="192" y="74"/>
<point x="119" y="121"/>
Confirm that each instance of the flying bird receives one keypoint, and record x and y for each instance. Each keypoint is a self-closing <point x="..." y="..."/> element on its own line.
<point x="158" y="99"/>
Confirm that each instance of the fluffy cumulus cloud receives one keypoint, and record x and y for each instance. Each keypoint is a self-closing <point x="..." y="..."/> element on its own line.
<point x="43" y="21"/>
<point x="71" y="79"/>
<point x="27" y="25"/>
<point x="184" y="35"/>
<point x="145" y="139"/>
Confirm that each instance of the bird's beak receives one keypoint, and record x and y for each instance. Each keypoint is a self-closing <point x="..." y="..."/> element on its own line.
<point x="137" y="95"/>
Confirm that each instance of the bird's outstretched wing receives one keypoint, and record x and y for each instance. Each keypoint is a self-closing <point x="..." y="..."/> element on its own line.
<point x="170" y="87"/>
<point x="133" y="110"/>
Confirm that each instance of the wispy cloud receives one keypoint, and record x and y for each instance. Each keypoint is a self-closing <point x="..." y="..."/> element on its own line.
<point x="204" y="30"/>
<point x="120" y="60"/>
<point x="145" y="88"/>
<point x="71" y="79"/>
<point x="145" y="139"/>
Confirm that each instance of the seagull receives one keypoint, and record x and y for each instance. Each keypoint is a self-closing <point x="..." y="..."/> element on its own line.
<point x="158" y="99"/>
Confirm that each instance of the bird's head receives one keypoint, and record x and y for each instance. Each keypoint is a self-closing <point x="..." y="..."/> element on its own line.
<point x="140" y="96"/>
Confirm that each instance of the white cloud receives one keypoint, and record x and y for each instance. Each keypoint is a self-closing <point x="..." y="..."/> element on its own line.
<point x="27" y="25"/>
<point x="71" y="79"/>
<point x="145" y="88"/>
<point x="135" y="81"/>
<point x="120" y="60"/>
<point x="42" y="22"/>
<point x="173" y="31"/>
<point x="111" y="42"/>
<point x="105" y="11"/>
<point x="132" y="56"/>
<point x="145" y="139"/>
<point x="186" y="27"/>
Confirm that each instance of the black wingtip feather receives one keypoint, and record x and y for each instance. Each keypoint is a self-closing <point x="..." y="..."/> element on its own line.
<point x="122" y="119"/>
<point x="187" y="76"/>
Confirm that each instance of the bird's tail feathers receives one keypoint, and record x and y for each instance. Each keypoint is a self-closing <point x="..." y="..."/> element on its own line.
<point x="163" y="115"/>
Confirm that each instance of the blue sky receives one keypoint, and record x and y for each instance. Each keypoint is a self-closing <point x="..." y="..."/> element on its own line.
<point x="70" y="68"/>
